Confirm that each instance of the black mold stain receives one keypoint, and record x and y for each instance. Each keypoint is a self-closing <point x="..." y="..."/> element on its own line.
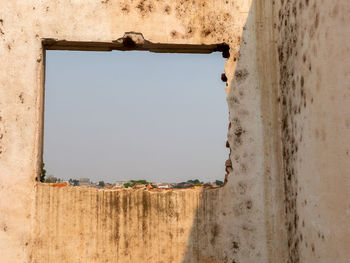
<point x="126" y="8"/>
<point x="128" y="42"/>
<point x="21" y="99"/>
<point x="167" y="9"/>
<point x="205" y="32"/>
<point x="173" y="34"/>
<point x="225" y="49"/>
<point x="292" y="104"/>
<point x="235" y="246"/>
<point x="241" y="74"/>
<point x="144" y="7"/>
<point x="215" y="24"/>
<point x="215" y="230"/>
<point x="238" y="132"/>
<point x="223" y="77"/>
<point x="249" y="204"/>
<point x="242" y="188"/>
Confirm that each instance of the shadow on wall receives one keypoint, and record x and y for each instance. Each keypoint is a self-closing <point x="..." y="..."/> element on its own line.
<point x="244" y="220"/>
<point x="224" y="227"/>
<point x="205" y="243"/>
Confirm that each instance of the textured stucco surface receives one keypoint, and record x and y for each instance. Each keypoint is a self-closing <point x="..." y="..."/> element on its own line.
<point x="314" y="49"/>
<point x="286" y="197"/>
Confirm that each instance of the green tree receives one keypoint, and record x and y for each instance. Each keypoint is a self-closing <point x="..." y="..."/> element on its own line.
<point x="219" y="183"/>
<point x="73" y="182"/>
<point x="131" y="183"/>
<point x="127" y="185"/>
<point x="195" y="181"/>
<point x="142" y="182"/>
<point x="101" y="184"/>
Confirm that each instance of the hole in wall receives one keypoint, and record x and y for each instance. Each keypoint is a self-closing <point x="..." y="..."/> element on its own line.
<point x="135" y="119"/>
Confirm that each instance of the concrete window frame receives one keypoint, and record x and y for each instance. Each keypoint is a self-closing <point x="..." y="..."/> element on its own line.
<point x="131" y="41"/>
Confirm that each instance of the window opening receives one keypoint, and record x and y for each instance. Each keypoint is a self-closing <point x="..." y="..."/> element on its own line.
<point x="134" y="119"/>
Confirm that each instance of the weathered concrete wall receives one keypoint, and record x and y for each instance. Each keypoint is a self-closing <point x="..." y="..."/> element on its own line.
<point x="88" y="225"/>
<point x="284" y="196"/>
<point x="314" y="49"/>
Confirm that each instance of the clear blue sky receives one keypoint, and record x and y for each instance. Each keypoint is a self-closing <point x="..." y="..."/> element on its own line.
<point x="135" y="115"/>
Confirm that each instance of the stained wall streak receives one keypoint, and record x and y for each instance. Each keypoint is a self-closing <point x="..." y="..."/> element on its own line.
<point x="90" y="225"/>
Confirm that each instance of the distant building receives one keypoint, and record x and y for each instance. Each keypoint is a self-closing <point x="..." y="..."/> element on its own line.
<point x="139" y="186"/>
<point x="108" y="186"/>
<point x="84" y="181"/>
<point x="163" y="186"/>
<point x="120" y="183"/>
<point x="50" y="179"/>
